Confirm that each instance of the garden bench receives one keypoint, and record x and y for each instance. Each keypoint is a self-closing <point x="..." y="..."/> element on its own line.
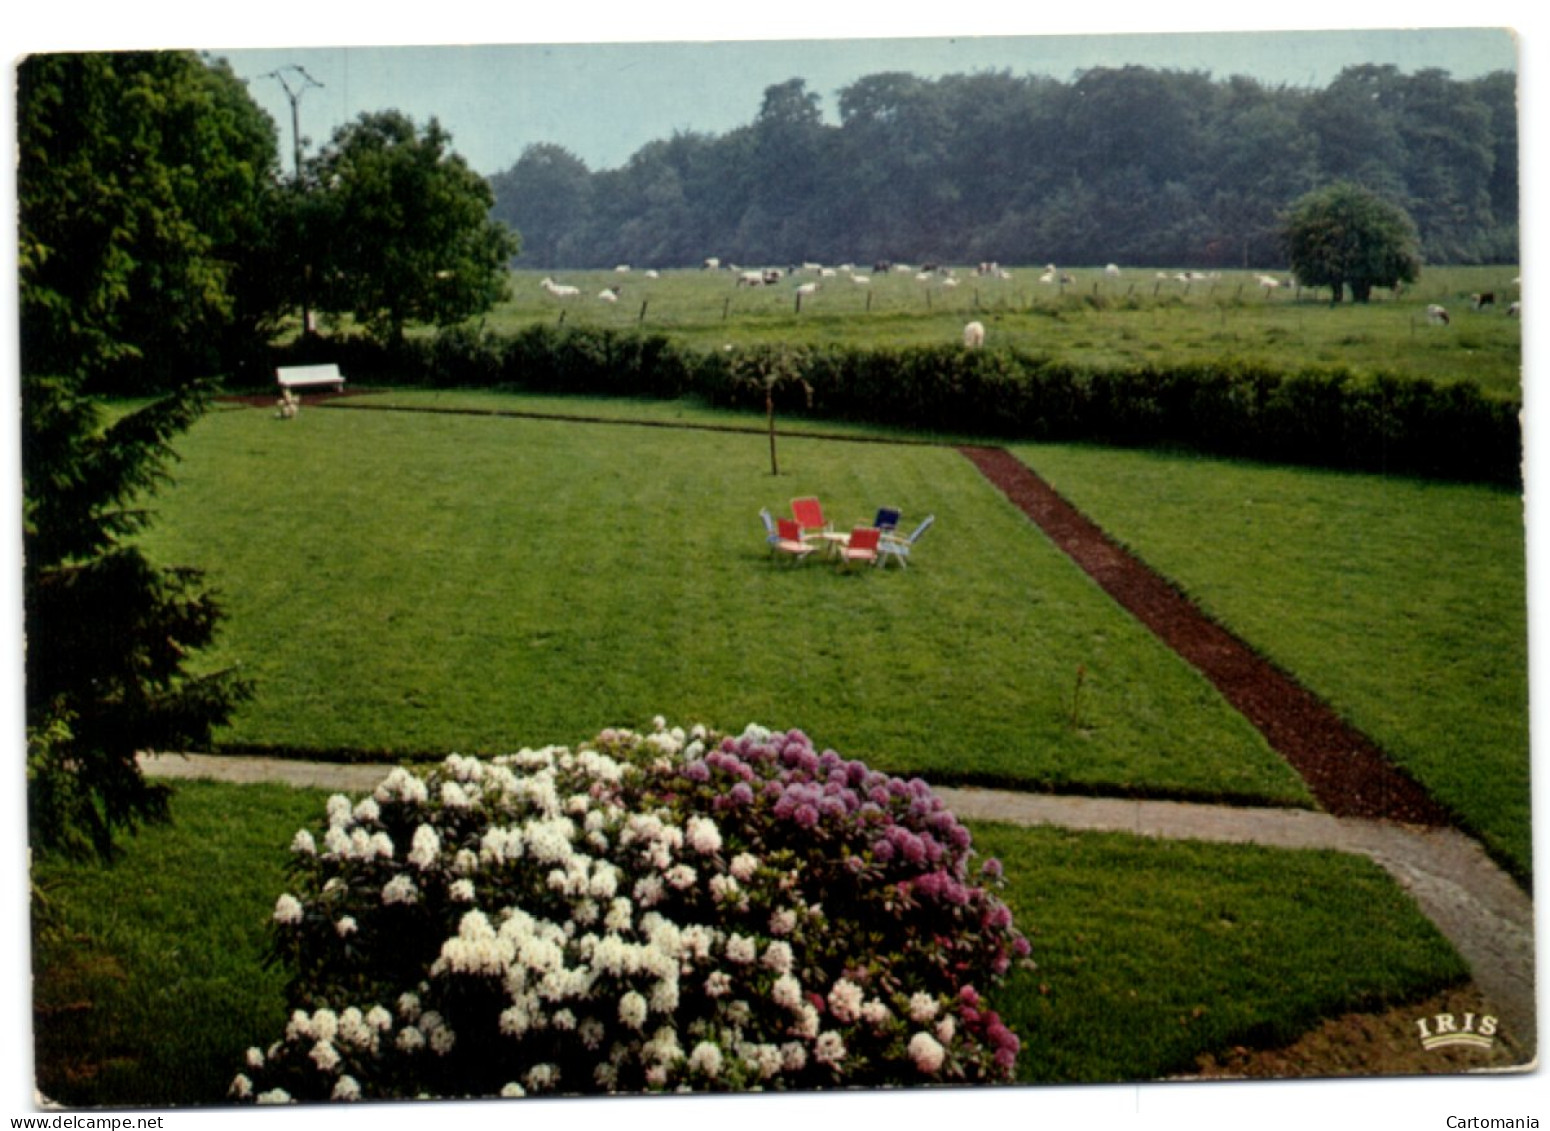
<point x="310" y="376"/>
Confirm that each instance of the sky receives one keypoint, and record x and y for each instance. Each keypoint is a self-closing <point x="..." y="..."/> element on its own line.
<point x="603" y="101"/>
<point x="560" y="74"/>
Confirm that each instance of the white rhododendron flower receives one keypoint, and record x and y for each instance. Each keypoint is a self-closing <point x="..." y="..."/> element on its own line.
<point x="787" y="992"/>
<point x="400" y="889"/>
<point x="632" y="1010"/>
<point x="325" y="1056"/>
<point x="923" y="1007"/>
<point x="340" y="811"/>
<point x="425" y="848"/>
<point x="703" y="835"/>
<point x="287" y="910"/>
<point x="829" y="1048"/>
<point x="926" y="1053"/>
<point x="778" y="956"/>
<point x="845" y="1001"/>
<point x="706" y="1059"/>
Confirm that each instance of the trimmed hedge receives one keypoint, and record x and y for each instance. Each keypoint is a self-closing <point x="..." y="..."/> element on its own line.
<point x="1327" y="417"/>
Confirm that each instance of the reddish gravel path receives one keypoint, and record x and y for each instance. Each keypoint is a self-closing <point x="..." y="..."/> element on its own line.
<point x="1346" y="772"/>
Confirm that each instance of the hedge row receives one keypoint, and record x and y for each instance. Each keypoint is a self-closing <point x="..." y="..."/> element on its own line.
<point x="1325" y="417"/>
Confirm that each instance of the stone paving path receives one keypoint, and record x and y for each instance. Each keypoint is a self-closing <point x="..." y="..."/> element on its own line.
<point x="1486" y="916"/>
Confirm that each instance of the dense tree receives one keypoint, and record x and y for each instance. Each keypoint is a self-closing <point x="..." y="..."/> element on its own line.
<point x="1346" y="236"/>
<point x="408" y="235"/>
<point x="547" y="196"/>
<point x="110" y="635"/>
<point x="1130" y="164"/>
<point x="140" y="181"/>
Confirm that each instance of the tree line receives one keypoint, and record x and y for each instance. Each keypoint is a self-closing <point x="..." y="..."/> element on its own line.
<point x="1131" y="165"/>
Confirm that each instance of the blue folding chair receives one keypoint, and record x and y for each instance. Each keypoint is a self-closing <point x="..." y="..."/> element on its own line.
<point x="899" y="548"/>
<point x="887" y="519"/>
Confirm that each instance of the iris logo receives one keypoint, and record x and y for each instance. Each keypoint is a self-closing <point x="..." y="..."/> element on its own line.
<point x="1445" y="1029"/>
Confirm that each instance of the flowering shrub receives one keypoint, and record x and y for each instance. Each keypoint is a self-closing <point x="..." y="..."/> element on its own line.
<point x="665" y="911"/>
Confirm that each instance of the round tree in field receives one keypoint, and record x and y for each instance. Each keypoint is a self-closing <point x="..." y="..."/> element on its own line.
<point x="1347" y="236"/>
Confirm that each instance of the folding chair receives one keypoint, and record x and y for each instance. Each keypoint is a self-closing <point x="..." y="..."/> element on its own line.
<point x="861" y="546"/>
<point x="899" y="548"/>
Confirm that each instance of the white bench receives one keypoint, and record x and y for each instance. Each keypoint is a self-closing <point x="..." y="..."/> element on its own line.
<point x="310" y="377"/>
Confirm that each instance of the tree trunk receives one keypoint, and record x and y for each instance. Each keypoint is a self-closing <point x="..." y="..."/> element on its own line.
<point x="769" y="412"/>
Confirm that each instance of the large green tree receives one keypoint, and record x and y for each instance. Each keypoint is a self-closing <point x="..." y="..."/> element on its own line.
<point x="1347" y="236"/>
<point x="407" y="234"/>
<point x="140" y="178"/>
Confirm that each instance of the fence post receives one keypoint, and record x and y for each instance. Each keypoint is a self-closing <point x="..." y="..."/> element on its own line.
<point x="642" y="319"/>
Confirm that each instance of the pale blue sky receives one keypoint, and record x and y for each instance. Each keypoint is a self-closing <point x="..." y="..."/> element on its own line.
<point x="604" y="101"/>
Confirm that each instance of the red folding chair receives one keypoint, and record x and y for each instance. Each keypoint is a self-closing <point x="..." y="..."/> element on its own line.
<point x="861" y="546"/>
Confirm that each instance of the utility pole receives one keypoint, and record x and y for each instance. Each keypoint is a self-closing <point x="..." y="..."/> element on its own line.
<point x="303" y="80"/>
<point x="286" y="76"/>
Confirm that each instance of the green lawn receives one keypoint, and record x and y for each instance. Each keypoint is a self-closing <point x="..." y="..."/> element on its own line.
<point x="1150" y="952"/>
<point x="410" y="583"/>
<point x="1402" y="602"/>
<point x="149" y="986"/>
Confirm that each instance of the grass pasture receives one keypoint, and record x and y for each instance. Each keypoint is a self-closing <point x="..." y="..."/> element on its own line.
<point x="1402" y="602"/>
<point x="428" y="583"/>
<point x="1094" y="320"/>
<point x="429" y="615"/>
<point x="149" y="986"/>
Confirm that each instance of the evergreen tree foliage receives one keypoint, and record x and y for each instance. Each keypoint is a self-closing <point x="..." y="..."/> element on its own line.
<point x="133" y="174"/>
<point x="110" y="635"/>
